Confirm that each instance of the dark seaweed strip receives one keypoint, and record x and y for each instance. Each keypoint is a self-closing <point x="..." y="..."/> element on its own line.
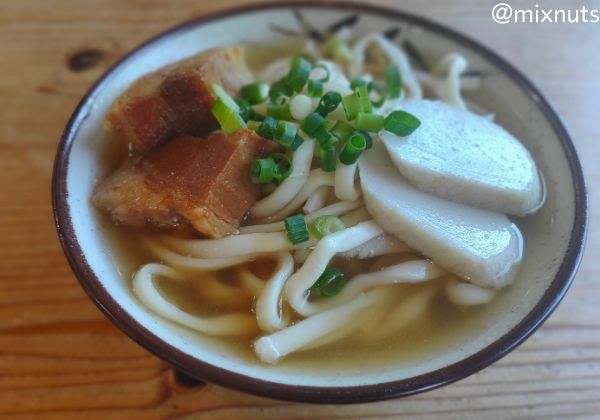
<point x="309" y="30"/>
<point x="392" y="33"/>
<point x="415" y="55"/>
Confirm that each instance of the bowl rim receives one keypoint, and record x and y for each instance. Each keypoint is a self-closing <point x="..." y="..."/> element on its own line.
<point x="314" y="394"/>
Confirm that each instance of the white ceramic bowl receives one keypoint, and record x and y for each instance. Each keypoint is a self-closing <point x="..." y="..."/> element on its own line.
<point x="554" y="237"/>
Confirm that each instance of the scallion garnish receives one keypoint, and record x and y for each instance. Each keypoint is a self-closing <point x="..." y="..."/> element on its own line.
<point x="325" y="69"/>
<point x="298" y="140"/>
<point x="262" y="171"/>
<point x="267" y="128"/>
<point x="255" y="93"/>
<point x="336" y="48"/>
<point x="369" y="122"/>
<point x="324" y="225"/>
<point x="379" y="98"/>
<point x="401" y="123"/>
<point x="253" y="124"/>
<point x="313" y="123"/>
<point x="295" y="227"/>
<point x="363" y="98"/>
<point x="367" y="136"/>
<point x="285" y="134"/>
<point x="325" y="138"/>
<point x="298" y="74"/>
<point x="330" y="283"/>
<point x="356" y="82"/>
<point x="283" y="166"/>
<point x="351" y="104"/>
<point x="280" y="90"/>
<point x="342" y="130"/>
<point x="226" y="111"/>
<point x="314" y="88"/>
<point x="393" y="81"/>
<point x="279" y="112"/>
<point x="352" y="149"/>
<point x="328" y="158"/>
<point x="328" y="103"/>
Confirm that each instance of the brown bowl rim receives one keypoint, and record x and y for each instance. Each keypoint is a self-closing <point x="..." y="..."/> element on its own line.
<point x="354" y="394"/>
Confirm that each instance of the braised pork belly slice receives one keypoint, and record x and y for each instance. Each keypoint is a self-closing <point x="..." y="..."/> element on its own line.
<point x="177" y="98"/>
<point x="203" y="182"/>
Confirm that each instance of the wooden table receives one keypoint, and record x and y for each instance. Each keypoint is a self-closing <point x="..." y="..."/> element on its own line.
<point x="59" y="356"/>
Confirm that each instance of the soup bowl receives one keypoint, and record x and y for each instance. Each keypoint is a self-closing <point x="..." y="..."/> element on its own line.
<point x="554" y="237"/>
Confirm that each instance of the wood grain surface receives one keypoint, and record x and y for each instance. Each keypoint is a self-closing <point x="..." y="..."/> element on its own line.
<point x="60" y="358"/>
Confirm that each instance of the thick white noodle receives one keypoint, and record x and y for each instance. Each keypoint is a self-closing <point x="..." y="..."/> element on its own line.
<point x="298" y="284"/>
<point x="316" y="179"/>
<point x="273" y="347"/>
<point x="234" y="245"/>
<point x="345" y="187"/>
<point x="269" y="311"/>
<point x="317" y="200"/>
<point x="445" y="81"/>
<point x="191" y="263"/>
<point x="301" y="254"/>
<point x="149" y="296"/>
<point x="395" y="55"/>
<point x="409" y="272"/>
<point x="467" y="294"/>
<point x="405" y="312"/>
<point x="290" y="187"/>
<point x="356" y="216"/>
<point x="335" y="209"/>
<point x="381" y="245"/>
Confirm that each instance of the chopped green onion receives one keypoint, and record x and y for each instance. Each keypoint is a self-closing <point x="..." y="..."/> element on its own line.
<point x="336" y="48"/>
<point x="324" y="225"/>
<point x="267" y="128"/>
<point x="226" y="111"/>
<point x="369" y="122"/>
<point x="328" y="158"/>
<point x="325" y="138"/>
<point x="295" y="227"/>
<point x="255" y="93"/>
<point x="313" y="123"/>
<point x="283" y="166"/>
<point x="367" y="136"/>
<point x="247" y="112"/>
<point x="314" y="88"/>
<point x="342" y="130"/>
<point x="401" y="123"/>
<point x="253" y="125"/>
<point x="351" y="104"/>
<point x="323" y="67"/>
<point x="328" y="103"/>
<point x="330" y="283"/>
<point x="394" y="81"/>
<point x="280" y="112"/>
<point x="285" y="134"/>
<point x="363" y="97"/>
<point x="279" y="90"/>
<point x="298" y="74"/>
<point x="356" y="82"/>
<point x="298" y="140"/>
<point x="352" y="149"/>
<point x="262" y="171"/>
<point x="380" y="93"/>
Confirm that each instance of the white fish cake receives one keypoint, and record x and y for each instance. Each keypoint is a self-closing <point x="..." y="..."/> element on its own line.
<point x="466" y="158"/>
<point x="479" y="245"/>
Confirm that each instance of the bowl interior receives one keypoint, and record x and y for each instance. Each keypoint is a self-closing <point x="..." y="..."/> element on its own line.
<point x="547" y="234"/>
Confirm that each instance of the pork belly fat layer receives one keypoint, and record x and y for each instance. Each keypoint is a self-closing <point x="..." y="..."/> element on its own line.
<point x="177" y="98"/>
<point x="203" y="181"/>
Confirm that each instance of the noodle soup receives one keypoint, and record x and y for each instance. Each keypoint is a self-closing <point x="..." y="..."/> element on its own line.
<point x="352" y="288"/>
